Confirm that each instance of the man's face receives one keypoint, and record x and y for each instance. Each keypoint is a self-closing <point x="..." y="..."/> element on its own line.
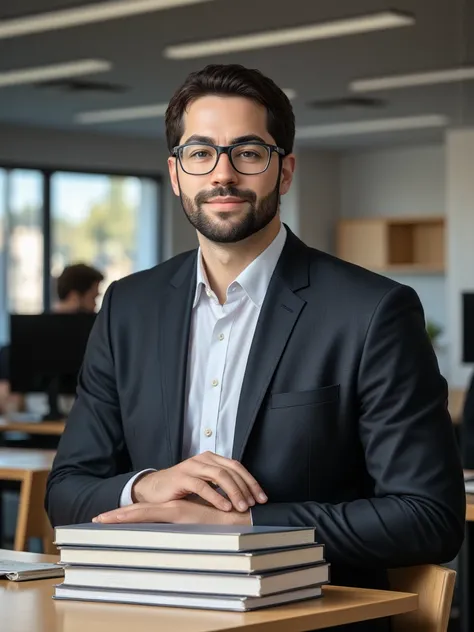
<point x="87" y="301"/>
<point x="226" y="206"/>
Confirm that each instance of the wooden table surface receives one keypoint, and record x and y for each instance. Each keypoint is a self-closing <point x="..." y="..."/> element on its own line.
<point x="33" y="460"/>
<point x="52" y="428"/>
<point x="28" y="607"/>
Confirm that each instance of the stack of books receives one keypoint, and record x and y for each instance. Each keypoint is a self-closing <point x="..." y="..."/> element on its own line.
<point x="195" y="566"/>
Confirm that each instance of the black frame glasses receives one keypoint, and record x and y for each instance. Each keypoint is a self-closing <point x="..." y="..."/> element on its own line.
<point x="227" y="149"/>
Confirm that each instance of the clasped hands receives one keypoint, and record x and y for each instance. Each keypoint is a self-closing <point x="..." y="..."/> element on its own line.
<point x="186" y="493"/>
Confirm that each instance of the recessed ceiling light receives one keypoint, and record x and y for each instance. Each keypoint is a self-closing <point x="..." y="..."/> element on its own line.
<point x="54" y="71"/>
<point x="121" y="114"/>
<point x="414" y="79"/>
<point x="88" y="14"/>
<point x="280" y="37"/>
<point x="368" y="127"/>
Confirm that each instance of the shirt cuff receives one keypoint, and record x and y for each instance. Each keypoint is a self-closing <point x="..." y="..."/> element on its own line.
<point x="126" y="495"/>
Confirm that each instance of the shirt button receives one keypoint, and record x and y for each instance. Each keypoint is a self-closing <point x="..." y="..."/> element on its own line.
<point x="208" y="292"/>
<point x="221" y="336"/>
<point x="215" y="382"/>
<point x="208" y="432"/>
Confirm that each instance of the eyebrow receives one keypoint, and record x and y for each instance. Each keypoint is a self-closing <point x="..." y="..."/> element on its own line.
<point x="196" y="138"/>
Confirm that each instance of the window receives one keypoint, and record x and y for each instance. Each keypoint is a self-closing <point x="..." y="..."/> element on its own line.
<point x="49" y="219"/>
<point x="109" y="222"/>
<point x="25" y="241"/>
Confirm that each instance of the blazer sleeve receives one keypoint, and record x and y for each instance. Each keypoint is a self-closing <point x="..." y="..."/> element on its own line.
<point x="417" y="511"/>
<point x="92" y="464"/>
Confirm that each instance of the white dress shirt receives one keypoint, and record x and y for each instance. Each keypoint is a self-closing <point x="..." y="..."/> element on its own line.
<point x="220" y="340"/>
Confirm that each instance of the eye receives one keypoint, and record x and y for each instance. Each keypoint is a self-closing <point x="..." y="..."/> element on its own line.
<point x="200" y="153"/>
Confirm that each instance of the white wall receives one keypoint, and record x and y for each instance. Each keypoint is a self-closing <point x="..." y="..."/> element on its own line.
<point x="460" y="215"/>
<point x="85" y="150"/>
<point x="393" y="182"/>
<point x="311" y="208"/>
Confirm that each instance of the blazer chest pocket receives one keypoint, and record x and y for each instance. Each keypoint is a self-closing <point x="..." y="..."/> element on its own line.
<point x="323" y="395"/>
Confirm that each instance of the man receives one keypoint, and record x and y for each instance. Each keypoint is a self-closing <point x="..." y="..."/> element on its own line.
<point x="303" y="387"/>
<point x="77" y="289"/>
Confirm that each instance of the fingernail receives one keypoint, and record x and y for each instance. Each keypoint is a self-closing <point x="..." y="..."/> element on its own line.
<point x="96" y="519"/>
<point x="227" y="506"/>
<point x="242" y="506"/>
<point x="250" y="501"/>
<point x="262" y="497"/>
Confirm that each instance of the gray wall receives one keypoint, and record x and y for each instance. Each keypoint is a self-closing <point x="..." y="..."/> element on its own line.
<point x="393" y="182"/>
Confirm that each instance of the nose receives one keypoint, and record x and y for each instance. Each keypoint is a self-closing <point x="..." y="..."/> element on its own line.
<point x="223" y="172"/>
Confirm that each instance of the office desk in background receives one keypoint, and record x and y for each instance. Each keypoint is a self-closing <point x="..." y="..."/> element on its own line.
<point x="52" y="428"/>
<point x="28" y="606"/>
<point x="30" y="468"/>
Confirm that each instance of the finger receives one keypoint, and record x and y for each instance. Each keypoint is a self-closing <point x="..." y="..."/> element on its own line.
<point x="255" y="489"/>
<point x="238" y="480"/>
<point x="202" y="489"/>
<point x="139" y="512"/>
<point x="224" y="479"/>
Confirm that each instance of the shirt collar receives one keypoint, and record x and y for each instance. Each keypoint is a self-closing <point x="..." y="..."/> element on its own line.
<point x="254" y="280"/>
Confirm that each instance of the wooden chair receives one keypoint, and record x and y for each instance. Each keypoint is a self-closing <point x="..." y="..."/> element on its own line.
<point x="434" y="586"/>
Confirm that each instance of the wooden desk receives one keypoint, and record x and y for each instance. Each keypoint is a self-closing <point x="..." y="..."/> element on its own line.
<point x="55" y="428"/>
<point x="28" y="607"/>
<point x="31" y="469"/>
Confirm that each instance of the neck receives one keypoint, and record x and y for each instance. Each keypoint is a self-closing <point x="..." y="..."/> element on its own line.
<point x="224" y="262"/>
<point x="65" y="307"/>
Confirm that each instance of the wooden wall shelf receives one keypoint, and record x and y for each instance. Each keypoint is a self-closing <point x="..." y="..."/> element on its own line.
<point x="395" y="245"/>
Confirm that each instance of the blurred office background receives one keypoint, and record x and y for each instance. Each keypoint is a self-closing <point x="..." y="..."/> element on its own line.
<point x="384" y="100"/>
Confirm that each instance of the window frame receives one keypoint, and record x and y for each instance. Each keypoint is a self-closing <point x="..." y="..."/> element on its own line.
<point x="47" y="173"/>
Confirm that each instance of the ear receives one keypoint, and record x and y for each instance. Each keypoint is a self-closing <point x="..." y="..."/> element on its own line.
<point x="172" y="167"/>
<point x="287" y="171"/>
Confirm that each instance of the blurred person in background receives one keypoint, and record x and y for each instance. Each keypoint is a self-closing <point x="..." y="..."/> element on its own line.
<point x="77" y="288"/>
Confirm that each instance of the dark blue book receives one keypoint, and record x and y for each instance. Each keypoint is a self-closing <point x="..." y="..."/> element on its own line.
<point x="189" y="537"/>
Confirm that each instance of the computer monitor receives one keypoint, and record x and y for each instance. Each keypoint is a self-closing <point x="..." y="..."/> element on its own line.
<point x="468" y="327"/>
<point x="46" y="353"/>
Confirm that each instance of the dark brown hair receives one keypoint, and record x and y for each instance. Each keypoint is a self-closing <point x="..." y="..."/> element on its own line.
<point x="233" y="80"/>
<point x="77" y="278"/>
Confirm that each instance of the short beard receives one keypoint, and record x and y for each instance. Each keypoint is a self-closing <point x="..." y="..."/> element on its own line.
<point x="227" y="232"/>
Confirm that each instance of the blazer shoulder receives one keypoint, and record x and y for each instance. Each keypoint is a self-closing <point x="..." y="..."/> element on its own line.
<point x="153" y="279"/>
<point x="351" y="280"/>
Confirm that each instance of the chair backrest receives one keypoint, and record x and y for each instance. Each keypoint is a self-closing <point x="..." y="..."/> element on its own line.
<point x="434" y="586"/>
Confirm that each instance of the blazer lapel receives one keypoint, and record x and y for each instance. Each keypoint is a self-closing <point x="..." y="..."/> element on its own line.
<point x="278" y="317"/>
<point x="174" y="341"/>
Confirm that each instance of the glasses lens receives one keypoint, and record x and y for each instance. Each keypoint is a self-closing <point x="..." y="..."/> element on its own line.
<point x="250" y="159"/>
<point x="198" y="159"/>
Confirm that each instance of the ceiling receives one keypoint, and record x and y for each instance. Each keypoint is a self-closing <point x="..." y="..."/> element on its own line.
<point x="442" y="38"/>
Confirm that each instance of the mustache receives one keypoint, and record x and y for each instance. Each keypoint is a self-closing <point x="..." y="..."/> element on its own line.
<point x="247" y="194"/>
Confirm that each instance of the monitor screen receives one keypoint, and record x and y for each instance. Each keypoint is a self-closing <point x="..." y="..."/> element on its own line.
<point x="468" y="327"/>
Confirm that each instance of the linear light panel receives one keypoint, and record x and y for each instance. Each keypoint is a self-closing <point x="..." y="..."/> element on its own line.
<point x="88" y="14"/>
<point x="281" y="37"/>
<point x="55" y="71"/>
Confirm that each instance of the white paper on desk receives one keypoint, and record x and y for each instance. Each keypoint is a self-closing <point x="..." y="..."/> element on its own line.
<point x="469" y="487"/>
<point x="22" y="571"/>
